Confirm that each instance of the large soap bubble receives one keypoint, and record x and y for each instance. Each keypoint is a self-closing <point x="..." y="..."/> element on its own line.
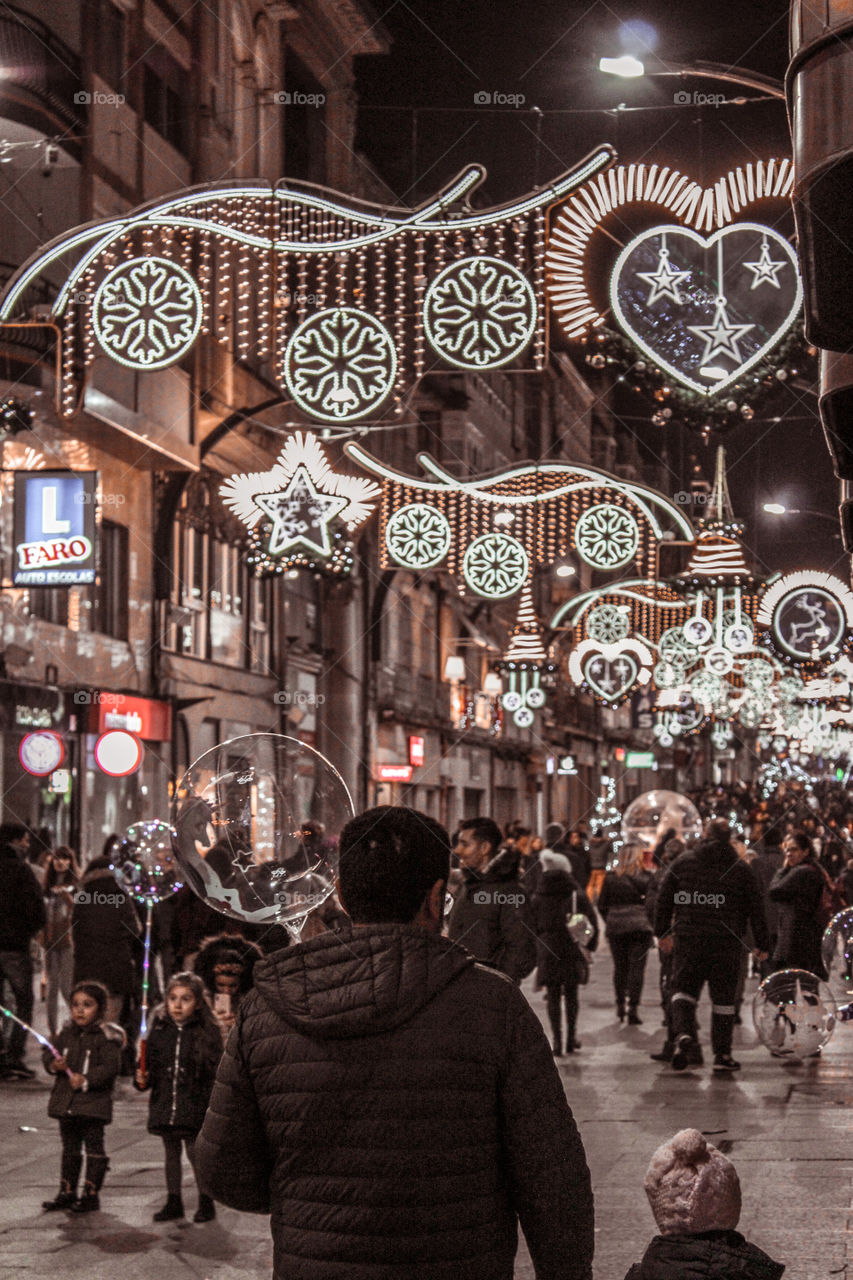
<point x="837" y="950"/>
<point x="652" y="814"/>
<point x="794" y="1014"/>
<point x="257" y="822"/>
<point x="144" y="862"/>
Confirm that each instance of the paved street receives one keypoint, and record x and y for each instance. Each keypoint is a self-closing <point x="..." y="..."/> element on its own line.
<point x="787" y="1129"/>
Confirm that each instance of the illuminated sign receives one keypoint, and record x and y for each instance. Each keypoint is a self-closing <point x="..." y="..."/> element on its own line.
<point x="118" y="753"/>
<point x="144" y="717"/>
<point x="640" y="760"/>
<point x="54" y="528"/>
<point x="416" y="751"/>
<point x="41" y="753"/>
<point x="393" y="773"/>
<point x="568" y="766"/>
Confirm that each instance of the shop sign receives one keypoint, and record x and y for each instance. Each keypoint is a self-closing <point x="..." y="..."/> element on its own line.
<point x="416" y="751"/>
<point x="60" y="782"/>
<point x="143" y="717"/>
<point x="54" y="528"/>
<point x="393" y="773"/>
<point x="568" y="766"/>
<point x="640" y="760"/>
<point x="33" y="717"/>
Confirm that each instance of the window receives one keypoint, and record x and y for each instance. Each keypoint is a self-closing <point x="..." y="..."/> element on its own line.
<point x="108" y="59"/>
<point x="49" y="603"/>
<point x="109" y="603"/>
<point x="260" y="624"/>
<point x="166" y="105"/>
<point x="304" y="122"/>
<point x="226" y="604"/>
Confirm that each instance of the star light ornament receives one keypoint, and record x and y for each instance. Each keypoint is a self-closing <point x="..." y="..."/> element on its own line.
<point x="665" y="280"/>
<point x="294" y="510"/>
<point x="722" y="337"/>
<point x="765" y="270"/>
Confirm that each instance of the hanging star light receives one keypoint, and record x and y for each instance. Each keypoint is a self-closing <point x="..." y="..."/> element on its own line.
<point x="765" y="270"/>
<point x="722" y="337"/>
<point x="665" y="280"/>
<point x="294" y="511"/>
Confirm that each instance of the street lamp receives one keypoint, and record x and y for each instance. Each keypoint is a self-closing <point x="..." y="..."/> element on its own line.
<point x="777" y="509"/>
<point x="627" y="66"/>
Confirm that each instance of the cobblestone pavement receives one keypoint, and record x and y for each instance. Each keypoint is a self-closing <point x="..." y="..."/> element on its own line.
<point x="787" y="1128"/>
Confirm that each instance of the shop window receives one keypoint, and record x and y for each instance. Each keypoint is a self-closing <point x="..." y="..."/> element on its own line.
<point x="109" y="596"/>
<point x="226" y="599"/>
<point x="260" y="624"/>
<point x="109" y="43"/>
<point x="166" y="98"/>
<point x="188" y="634"/>
<point x="49" y="603"/>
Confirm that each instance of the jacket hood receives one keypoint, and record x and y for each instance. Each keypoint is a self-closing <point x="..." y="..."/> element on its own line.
<point x="705" y="1255"/>
<point x="358" y="981"/>
<point x="556" y="883"/>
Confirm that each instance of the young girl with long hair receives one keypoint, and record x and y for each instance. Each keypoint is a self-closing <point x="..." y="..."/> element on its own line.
<point x="182" y="1053"/>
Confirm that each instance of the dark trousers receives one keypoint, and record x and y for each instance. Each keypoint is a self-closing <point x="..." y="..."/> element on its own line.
<point x="629" y="951"/>
<point x="78" y="1132"/>
<point x="172" y="1153"/>
<point x="696" y="960"/>
<point x="665" y="984"/>
<point x="17" y="969"/>
<point x="554" y="994"/>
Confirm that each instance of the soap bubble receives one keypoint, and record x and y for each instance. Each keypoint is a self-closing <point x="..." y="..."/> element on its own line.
<point x="144" y="862"/>
<point x="652" y="814"/>
<point x="837" y="951"/>
<point x="794" y="1014"/>
<point x="257" y="822"/>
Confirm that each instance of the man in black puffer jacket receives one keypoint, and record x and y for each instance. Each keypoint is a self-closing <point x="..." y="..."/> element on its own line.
<point x="393" y="1104"/>
<point x="21" y="916"/>
<point x="490" y="913"/>
<point x="705" y="902"/>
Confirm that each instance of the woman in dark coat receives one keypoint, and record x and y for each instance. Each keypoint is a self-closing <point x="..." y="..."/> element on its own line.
<point x="628" y="930"/>
<point x="796" y="889"/>
<point x="557" y="955"/>
<point x="105" y="932"/>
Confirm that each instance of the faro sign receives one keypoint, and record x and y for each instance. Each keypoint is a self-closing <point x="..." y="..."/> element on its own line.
<point x="54" y="528"/>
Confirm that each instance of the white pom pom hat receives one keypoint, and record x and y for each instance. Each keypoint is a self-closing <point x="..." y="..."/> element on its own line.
<point x="692" y="1186"/>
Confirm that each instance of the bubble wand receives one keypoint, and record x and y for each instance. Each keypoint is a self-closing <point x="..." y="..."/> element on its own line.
<point x="146" y="964"/>
<point x="43" y="1040"/>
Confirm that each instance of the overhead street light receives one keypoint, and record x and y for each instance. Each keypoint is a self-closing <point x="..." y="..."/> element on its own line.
<point x="630" y="67"/>
<point x="626" y="66"/>
<point x="777" y="509"/>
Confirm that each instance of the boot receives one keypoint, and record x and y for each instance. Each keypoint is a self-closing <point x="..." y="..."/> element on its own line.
<point x="172" y="1209"/>
<point x="96" y="1169"/>
<point x="558" y="1050"/>
<point x="620" y="1010"/>
<point x="206" y="1210"/>
<point x="634" y="1019"/>
<point x="665" y="1054"/>
<point x="64" y="1199"/>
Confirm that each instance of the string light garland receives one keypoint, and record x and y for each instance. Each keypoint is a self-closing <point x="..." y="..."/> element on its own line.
<point x="344" y="339"/>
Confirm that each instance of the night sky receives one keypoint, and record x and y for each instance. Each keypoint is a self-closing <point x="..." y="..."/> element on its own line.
<point x="420" y="124"/>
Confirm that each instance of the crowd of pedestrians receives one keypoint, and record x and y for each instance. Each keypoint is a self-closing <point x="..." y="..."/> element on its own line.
<point x="384" y="996"/>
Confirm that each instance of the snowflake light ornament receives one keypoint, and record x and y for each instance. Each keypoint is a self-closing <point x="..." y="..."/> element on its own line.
<point x="479" y="313"/>
<point x="340" y="364"/>
<point x="495" y="566"/>
<point x="607" y="623"/>
<point x="607" y="537"/>
<point x="418" y="536"/>
<point x="147" y="313"/>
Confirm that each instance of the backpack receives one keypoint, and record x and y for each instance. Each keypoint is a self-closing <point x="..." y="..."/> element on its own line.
<point x="832" y="901"/>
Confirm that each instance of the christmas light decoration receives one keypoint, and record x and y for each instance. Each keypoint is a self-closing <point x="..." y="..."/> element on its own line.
<point x="611" y="671"/>
<point x="292" y="510"/>
<point x="581" y="215"/>
<point x="147" y="313"/>
<point x="524" y="663"/>
<point x="248" y="264"/>
<point x="695" y="339"/>
<point x="606" y="818"/>
<point x="808" y="616"/>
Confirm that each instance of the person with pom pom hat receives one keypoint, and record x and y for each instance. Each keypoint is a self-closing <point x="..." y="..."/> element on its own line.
<point x="694" y="1193"/>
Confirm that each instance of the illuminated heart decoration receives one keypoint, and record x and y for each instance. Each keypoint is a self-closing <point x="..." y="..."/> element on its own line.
<point x="611" y="670"/>
<point x="706" y="309"/>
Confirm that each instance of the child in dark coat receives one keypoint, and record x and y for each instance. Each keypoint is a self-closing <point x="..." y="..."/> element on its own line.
<point x="694" y="1192"/>
<point x="182" y="1053"/>
<point x="82" y="1097"/>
